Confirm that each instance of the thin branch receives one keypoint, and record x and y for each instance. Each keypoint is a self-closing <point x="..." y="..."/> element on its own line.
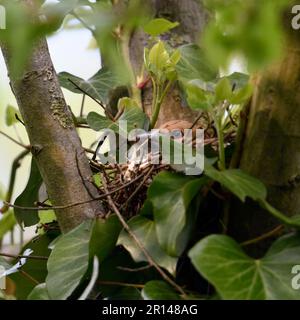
<point x="267" y="235"/>
<point x="14" y="140"/>
<point x="82" y="105"/>
<point x="140" y="245"/>
<point x="86" y="93"/>
<point x="21" y="256"/>
<point x="101" y="197"/>
<point x="136" y="269"/>
<point x="123" y="284"/>
<point x="74" y="14"/>
<point x="29" y="277"/>
<point x="138" y="187"/>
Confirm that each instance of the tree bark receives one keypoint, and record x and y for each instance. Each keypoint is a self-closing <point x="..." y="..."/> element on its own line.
<point x="271" y="144"/>
<point x="55" y="143"/>
<point x="192" y="18"/>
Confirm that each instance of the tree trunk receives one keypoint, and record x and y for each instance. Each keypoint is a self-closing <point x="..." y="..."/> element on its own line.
<point x="192" y="18"/>
<point x="55" y="143"/>
<point x="271" y="144"/>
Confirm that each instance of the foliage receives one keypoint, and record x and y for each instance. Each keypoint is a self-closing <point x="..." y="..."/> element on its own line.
<point x="168" y="230"/>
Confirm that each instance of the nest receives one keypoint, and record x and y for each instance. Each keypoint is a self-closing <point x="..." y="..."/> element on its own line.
<point x="126" y="184"/>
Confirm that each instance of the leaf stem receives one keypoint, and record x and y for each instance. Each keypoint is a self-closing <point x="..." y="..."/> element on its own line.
<point x="158" y="102"/>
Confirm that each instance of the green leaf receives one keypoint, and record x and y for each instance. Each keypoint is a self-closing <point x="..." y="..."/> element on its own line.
<point x="159" y="26"/>
<point x="104" y="237"/>
<point x="40" y="292"/>
<point x="98" y="122"/>
<point x="158" y="57"/>
<point x="238" y="182"/>
<point x="28" y="197"/>
<point x="10" y="115"/>
<point x="223" y="90"/>
<point x="171" y="195"/>
<point x="238" y="80"/>
<point x="97" y="86"/>
<point x="242" y="95"/>
<point x="159" y="290"/>
<point x="236" y="276"/>
<point x="198" y="97"/>
<point x="194" y="65"/>
<point x="36" y="268"/>
<point x="144" y="229"/>
<point x="134" y="116"/>
<point x="7" y="222"/>
<point x="68" y="262"/>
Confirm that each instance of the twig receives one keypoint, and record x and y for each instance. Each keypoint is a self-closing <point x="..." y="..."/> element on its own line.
<point x="267" y="235"/>
<point x="86" y="93"/>
<point x="197" y="119"/>
<point x="21" y="256"/>
<point x="83" y="23"/>
<point x="140" y="245"/>
<point x="138" y="187"/>
<point x="29" y="277"/>
<point x="123" y="284"/>
<point x="17" y="117"/>
<point x="101" y="197"/>
<point x="136" y="269"/>
<point x="82" y="105"/>
<point x="14" y="140"/>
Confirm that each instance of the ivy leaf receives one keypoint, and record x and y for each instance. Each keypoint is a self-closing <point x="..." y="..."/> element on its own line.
<point x="223" y="90"/>
<point x="144" y="229"/>
<point x="159" y="290"/>
<point x="134" y="116"/>
<point x="237" y="276"/>
<point x="171" y="195"/>
<point x="194" y="65"/>
<point x="238" y="80"/>
<point x="159" y="26"/>
<point x="68" y="262"/>
<point x="10" y="115"/>
<point x="242" y="95"/>
<point x="238" y="182"/>
<point x="7" y="222"/>
<point x="40" y="292"/>
<point x="104" y="237"/>
<point x="28" y="197"/>
<point x="158" y="57"/>
<point x="36" y="268"/>
<point x="98" y="86"/>
<point x="198" y="95"/>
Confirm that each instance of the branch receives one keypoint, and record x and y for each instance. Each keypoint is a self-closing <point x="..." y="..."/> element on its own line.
<point x="15" y="141"/>
<point x="68" y="206"/>
<point x="20" y="256"/>
<point x="140" y="245"/>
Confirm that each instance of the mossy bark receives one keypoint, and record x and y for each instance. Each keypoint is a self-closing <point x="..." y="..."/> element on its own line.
<point x="271" y="145"/>
<point x="55" y="143"/>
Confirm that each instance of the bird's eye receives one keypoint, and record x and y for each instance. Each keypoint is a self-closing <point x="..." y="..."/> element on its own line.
<point x="176" y="134"/>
